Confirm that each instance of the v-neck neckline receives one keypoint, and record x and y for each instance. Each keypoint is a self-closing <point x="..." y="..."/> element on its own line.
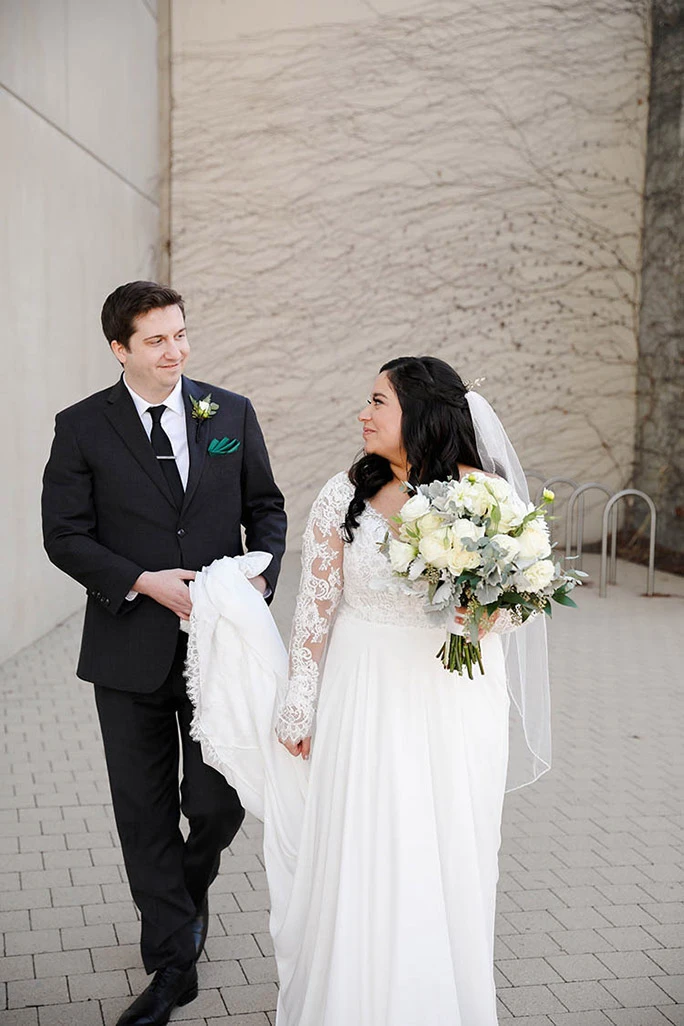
<point x="385" y="520"/>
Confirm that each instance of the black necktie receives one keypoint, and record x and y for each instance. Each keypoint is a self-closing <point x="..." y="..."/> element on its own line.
<point x="163" y="450"/>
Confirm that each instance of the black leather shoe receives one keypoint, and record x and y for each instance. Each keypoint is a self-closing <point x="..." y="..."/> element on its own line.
<point x="169" y="988"/>
<point x="200" y="925"/>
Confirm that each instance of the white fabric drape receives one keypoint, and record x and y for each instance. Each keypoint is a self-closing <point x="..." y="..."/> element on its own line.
<point x="236" y="670"/>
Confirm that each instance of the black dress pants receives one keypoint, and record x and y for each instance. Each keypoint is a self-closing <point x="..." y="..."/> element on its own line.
<point x="143" y="735"/>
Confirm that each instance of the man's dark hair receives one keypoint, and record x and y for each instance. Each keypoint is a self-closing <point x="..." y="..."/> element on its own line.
<point x="129" y="301"/>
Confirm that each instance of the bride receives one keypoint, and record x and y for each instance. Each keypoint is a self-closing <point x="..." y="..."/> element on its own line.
<point x="390" y="918"/>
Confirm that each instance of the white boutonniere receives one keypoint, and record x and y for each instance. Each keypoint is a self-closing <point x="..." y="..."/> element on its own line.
<point x="203" y="409"/>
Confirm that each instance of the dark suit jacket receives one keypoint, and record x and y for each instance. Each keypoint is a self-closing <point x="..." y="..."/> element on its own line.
<point x="109" y="515"/>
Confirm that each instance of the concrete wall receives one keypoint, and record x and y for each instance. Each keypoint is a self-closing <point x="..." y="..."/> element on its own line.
<point x="354" y="181"/>
<point x="78" y="198"/>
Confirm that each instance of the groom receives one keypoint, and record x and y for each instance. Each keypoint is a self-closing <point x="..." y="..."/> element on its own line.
<point x="147" y="482"/>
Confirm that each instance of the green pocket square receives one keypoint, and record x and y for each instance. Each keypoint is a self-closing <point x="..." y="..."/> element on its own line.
<point x="223" y="446"/>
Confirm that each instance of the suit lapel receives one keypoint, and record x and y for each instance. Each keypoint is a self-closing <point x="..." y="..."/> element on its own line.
<point x="123" y="416"/>
<point x="198" y="432"/>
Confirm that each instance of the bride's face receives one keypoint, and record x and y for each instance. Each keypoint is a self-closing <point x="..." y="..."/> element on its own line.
<point x="381" y="419"/>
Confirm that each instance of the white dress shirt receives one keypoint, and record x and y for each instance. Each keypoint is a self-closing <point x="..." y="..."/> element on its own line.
<point x="175" y="425"/>
<point x="173" y="422"/>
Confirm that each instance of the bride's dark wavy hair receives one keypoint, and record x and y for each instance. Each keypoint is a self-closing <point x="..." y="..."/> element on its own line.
<point x="436" y="429"/>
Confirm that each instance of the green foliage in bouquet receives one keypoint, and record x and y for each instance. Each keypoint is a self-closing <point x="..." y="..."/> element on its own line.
<point x="473" y="544"/>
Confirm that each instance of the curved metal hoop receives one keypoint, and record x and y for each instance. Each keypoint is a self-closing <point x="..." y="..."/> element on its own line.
<point x="552" y="481"/>
<point x="650" y="580"/>
<point x="547" y="484"/>
<point x="536" y="474"/>
<point x="578" y="494"/>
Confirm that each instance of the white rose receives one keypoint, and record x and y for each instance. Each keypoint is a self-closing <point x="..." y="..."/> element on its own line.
<point x="429" y="523"/>
<point x="477" y="498"/>
<point x="513" y="509"/>
<point x="540" y="574"/>
<point x="510" y="546"/>
<point x="534" y="541"/>
<point x="460" y="559"/>
<point x="466" y="529"/>
<point x="510" y="519"/>
<point x="417" y="506"/>
<point x="401" y="555"/>
<point x="204" y="406"/>
<point x="435" y="548"/>
<point x="499" y="488"/>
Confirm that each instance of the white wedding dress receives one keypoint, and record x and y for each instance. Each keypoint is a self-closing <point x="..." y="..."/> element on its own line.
<point x="390" y="920"/>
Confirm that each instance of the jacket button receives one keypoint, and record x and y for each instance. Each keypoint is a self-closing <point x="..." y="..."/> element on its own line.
<point x="181" y="532"/>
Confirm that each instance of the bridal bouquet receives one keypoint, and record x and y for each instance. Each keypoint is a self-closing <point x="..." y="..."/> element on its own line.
<point x="474" y="543"/>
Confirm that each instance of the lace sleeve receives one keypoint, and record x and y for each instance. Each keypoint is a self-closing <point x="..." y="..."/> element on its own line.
<point x="320" y="589"/>
<point x="509" y="620"/>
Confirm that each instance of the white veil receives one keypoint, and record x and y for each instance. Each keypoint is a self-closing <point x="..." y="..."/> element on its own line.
<point x="525" y="649"/>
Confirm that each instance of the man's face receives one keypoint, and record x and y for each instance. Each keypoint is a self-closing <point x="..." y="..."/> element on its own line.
<point x="156" y="353"/>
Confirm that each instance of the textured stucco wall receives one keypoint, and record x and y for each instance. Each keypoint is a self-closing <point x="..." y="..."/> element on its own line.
<point x="78" y="184"/>
<point x="354" y="181"/>
<point x="659" y="463"/>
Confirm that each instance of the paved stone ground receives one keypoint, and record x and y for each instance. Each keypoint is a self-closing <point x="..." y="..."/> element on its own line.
<point x="591" y="898"/>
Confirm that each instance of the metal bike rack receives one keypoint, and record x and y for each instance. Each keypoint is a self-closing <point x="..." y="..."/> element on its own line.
<point x="650" y="580"/>
<point x="578" y="494"/>
<point x="555" y="480"/>
<point x="547" y="484"/>
<point x="536" y="474"/>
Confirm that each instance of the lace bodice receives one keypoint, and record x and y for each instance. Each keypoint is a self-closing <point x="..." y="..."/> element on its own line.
<point x="353" y="580"/>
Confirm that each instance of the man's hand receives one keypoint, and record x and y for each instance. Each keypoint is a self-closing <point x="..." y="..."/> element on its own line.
<point x="167" y="588"/>
<point x="260" y="583"/>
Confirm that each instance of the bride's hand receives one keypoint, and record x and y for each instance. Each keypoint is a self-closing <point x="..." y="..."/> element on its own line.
<point x="302" y="748"/>
<point x="486" y="623"/>
<point x="460" y="615"/>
